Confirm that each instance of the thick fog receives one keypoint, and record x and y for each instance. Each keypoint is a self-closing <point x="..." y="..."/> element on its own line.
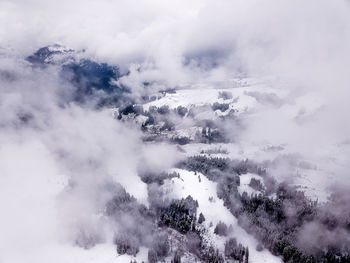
<point x="56" y="156"/>
<point x="57" y="159"/>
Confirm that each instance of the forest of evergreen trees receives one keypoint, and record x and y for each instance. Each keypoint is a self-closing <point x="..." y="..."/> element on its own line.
<point x="280" y="214"/>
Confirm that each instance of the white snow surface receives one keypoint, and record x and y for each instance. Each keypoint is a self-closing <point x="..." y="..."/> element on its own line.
<point x="214" y="211"/>
<point x="241" y="101"/>
<point x="314" y="180"/>
<point x="244" y="183"/>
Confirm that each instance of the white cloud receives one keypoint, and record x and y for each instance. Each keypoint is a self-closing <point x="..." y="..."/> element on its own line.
<point x="55" y="160"/>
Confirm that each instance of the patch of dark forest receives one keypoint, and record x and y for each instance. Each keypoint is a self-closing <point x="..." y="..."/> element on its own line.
<point x="280" y="217"/>
<point x="162" y="123"/>
<point x="277" y="217"/>
<point x="169" y="228"/>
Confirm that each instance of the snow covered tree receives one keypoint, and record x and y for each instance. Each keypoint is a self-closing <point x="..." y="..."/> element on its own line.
<point x="201" y="218"/>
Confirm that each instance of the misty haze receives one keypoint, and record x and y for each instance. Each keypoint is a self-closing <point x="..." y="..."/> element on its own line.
<point x="150" y="131"/>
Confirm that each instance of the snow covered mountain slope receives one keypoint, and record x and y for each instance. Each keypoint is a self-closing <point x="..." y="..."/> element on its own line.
<point x="205" y="172"/>
<point x="161" y="131"/>
<point x="210" y="125"/>
<point x="214" y="212"/>
<point x="186" y="113"/>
